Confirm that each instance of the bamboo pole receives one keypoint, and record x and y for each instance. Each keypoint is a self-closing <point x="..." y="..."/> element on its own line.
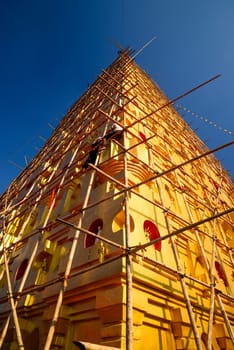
<point x="212" y="295"/>
<point x="129" y="292"/>
<point x="212" y="278"/>
<point x="111" y="178"/>
<point x="143" y="47"/>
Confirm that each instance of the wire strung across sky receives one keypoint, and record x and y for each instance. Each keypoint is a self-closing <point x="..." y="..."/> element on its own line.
<point x="204" y="119"/>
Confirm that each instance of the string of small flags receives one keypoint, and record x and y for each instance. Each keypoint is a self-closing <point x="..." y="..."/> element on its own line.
<point x="204" y="119"/>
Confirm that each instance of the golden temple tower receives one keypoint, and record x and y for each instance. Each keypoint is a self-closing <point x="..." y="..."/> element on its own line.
<point x="119" y="233"/>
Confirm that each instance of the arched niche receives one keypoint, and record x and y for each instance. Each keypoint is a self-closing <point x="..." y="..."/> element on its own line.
<point x="142" y="136"/>
<point x="119" y="222"/>
<point x="221" y="273"/>
<point x="152" y="233"/>
<point x="21" y="269"/>
<point x="42" y="265"/>
<point x="96" y="228"/>
<point x="72" y="194"/>
<point x="204" y="338"/>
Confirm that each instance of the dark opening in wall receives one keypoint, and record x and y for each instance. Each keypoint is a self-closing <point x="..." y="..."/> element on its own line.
<point x="96" y="228"/>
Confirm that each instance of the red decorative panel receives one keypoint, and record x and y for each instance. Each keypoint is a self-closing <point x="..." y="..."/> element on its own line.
<point x="153" y="232"/>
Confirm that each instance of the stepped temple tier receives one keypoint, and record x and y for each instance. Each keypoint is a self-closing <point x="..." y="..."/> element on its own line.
<point x="119" y="233"/>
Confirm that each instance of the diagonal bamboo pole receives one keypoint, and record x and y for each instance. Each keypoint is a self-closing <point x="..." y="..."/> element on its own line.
<point x="87" y="232"/>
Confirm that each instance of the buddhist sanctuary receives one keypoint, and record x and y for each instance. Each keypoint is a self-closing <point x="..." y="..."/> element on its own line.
<point x="119" y="233"/>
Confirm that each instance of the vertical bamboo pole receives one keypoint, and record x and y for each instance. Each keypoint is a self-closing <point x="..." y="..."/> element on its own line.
<point x="128" y="259"/>
<point x="212" y="290"/>
<point x="212" y="277"/>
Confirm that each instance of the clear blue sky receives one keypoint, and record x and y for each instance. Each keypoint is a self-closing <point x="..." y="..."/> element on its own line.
<point x="52" y="49"/>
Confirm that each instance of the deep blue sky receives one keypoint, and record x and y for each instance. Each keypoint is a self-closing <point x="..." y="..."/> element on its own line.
<point x="52" y="49"/>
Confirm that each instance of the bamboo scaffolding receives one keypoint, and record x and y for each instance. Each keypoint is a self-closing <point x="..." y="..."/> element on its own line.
<point x="216" y="149"/>
<point x="63" y="153"/>
<point x="133" y="250"/>
<point x="183" y="163"/>
<point x="112" y="78"/>
<point x="27" y="271"/>
<point x="67" y="272"/>
<point x="69" y="263"/>
<point x="210" y="272"/>
<point x="183" y="229"/>
<point x="192" y="319"/>
<point x="117" y="74"/>
<point x="182" y="280"/>
<point x="46" y="148"/>
<point x="30" y="262"/>
<point x="169" y="103"/>
<point x="150" y="178"/>
<point x="10" y="291"/>
<point x="5" y="327"/>
<point x="121" y="254"/>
